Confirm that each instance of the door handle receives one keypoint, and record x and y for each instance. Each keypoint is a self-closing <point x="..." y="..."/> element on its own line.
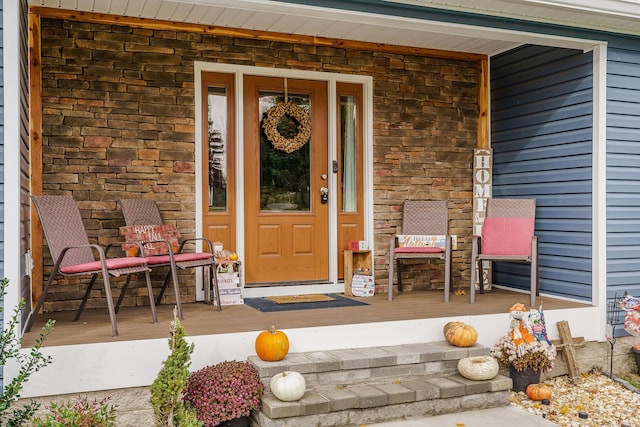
<point x="324" y="195"/>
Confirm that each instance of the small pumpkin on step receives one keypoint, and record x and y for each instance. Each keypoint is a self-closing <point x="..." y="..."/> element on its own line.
<point x="288" y="386"/>
<point x="272" y="345"/>
<point x="460" y="334"/>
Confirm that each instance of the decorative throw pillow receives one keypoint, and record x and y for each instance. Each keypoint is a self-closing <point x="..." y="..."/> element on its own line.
<point x="421" y="241"/>
<point x="155" y="238"/>
<point x="507" y="236"/>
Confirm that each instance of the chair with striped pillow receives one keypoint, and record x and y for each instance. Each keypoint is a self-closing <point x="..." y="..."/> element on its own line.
<point x="425" y="237"/>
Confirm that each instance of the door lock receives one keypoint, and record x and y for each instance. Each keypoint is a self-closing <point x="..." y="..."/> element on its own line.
<point x="324" y="194"/>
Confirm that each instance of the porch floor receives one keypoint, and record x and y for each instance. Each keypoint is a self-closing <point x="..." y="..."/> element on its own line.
<point x="134" y="323"/>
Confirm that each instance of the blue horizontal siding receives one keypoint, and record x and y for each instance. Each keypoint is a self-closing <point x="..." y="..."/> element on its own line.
<point x="623" y="171"/>
<point x="541" y="135"/>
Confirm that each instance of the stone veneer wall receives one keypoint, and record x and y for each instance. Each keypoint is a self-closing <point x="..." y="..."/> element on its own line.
<point x="119" y="121"/>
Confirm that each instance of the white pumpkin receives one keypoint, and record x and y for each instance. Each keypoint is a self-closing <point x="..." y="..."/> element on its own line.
<point x="288" y="386"/>
<point x="478" y="368"/>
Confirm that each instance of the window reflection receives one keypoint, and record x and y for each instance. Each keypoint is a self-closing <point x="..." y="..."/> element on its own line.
<point x="284" y="178"/>
<point x="217" y="119"/>
<point x="348" y="149"/>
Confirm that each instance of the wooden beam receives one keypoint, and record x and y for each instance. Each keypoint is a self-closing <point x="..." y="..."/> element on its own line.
<point x="483" y="105"/>
<point x="35" y="150"/>
<point x="568" y="345"/>
<point x="156" y="24"/>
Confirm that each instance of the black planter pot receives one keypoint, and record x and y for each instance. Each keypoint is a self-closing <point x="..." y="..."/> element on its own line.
<point x="521" y="379"/>
<point x="636" y="354"/>
<point x="236" y="422"/>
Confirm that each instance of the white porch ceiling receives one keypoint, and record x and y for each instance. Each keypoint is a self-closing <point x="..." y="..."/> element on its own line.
<point x="622" y="16"/>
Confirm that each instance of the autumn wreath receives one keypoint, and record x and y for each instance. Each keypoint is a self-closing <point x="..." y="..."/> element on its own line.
<point x="270" y="126"/>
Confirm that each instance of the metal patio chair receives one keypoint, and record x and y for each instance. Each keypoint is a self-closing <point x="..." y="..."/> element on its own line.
<point x="139" y="212"/>
<point x="73" y="255"/>
<point x="425" y="236"/>
<point x="507" y="236"/>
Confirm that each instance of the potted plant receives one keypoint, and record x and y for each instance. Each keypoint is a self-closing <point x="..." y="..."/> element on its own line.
<point x="225" y="393"/>
<point x="526" y="360"/>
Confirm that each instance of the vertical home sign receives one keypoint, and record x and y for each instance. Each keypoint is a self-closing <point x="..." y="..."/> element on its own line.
<point x="482" y="172"/>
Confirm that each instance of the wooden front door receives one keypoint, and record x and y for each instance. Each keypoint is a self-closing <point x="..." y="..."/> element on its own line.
<point x="286" y="215"/>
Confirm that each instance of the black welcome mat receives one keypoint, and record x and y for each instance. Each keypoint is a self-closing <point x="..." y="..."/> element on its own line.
<point x="267" y="305"/>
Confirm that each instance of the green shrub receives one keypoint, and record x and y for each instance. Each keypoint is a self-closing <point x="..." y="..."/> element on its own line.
<point x="10" y="344"/>
<point x="79" y="413"/>
<point x="166" y="391"/>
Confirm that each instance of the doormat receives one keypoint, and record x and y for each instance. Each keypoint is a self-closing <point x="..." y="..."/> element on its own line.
<point x="289" y="299"/>
<point x="266" y="305"/>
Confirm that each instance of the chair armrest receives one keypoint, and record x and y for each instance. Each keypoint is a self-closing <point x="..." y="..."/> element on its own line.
<point x="195" y="239"/>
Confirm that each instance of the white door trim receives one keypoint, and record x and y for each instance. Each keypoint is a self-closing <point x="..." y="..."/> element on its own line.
<point x="239" y="71"/>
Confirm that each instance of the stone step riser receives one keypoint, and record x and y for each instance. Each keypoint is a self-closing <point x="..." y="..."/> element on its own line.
<point x="411" y="388"/>
<point x="345" y="377"/>
<point x="405" y="410"/>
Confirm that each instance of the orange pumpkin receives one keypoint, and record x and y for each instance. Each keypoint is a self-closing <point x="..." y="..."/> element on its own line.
<point x="538" y="392"/>
<point x="460" y="334"/>
<point x="450" y="325"/>
<point x="272" y="345"/>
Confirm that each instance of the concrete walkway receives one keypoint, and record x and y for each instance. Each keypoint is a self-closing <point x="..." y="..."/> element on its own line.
<point x="494" y="417"/>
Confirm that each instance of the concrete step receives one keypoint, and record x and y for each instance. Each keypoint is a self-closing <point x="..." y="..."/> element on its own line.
<point x="358" y="386"/>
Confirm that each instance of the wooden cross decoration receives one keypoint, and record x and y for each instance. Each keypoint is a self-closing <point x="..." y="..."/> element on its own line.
<point x="568" y="345"/>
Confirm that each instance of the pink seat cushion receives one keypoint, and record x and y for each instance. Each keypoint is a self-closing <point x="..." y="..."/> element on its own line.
<point x="164" y="259"/>
<point x="418" y="250"/>
<point x="507" y="236"/>
<point x="112" y="264"/>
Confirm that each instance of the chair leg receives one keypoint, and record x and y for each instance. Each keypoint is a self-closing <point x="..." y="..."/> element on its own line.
<point x="213" y="279"/>
<point x="447" y="272"/>
<point x="86" y="297"/>
<point x="480" y="277"/>
<point x="165" y="283"/>
<point x="110" y="306"/>
<point x="123" y="292"/>
<point x="154" y="315"/>
<point x="31" y="317"/>
<point x="176" y="290"/>
<point x="474" y="270"/>
<point x="399" y="274"/>
<point x="390" y="289"/>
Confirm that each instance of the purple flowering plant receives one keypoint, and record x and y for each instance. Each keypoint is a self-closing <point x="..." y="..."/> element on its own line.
<point x="538" y="355"/>
<point x="224" y="391"/>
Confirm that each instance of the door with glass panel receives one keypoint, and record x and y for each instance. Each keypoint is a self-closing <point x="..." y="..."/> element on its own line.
<point x="286" y="199"/>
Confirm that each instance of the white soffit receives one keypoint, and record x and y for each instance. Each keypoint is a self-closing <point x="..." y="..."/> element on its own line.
<point x="619" y="16"/>
<point x="319" y="22"/>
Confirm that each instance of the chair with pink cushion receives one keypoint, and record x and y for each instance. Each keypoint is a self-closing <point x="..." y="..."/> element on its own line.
<point x="507" y="236"/>
<point x="73" y="255"/>
<point x="425" y="237"/>
<point x="181" y="254"/>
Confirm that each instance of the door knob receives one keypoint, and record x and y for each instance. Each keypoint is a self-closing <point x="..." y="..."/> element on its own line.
<point x="324" y="194"/>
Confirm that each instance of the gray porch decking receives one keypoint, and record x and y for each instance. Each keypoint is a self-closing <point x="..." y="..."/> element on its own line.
<point x="202" y="319"/>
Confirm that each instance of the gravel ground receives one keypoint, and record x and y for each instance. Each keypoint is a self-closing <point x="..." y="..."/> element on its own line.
<point x="608" y="403"/>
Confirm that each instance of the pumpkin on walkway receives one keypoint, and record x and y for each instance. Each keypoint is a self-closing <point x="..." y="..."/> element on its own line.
<point x="460" y="334"/>
<point x="538" y="392"/>
<point x="272" y="345"/>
